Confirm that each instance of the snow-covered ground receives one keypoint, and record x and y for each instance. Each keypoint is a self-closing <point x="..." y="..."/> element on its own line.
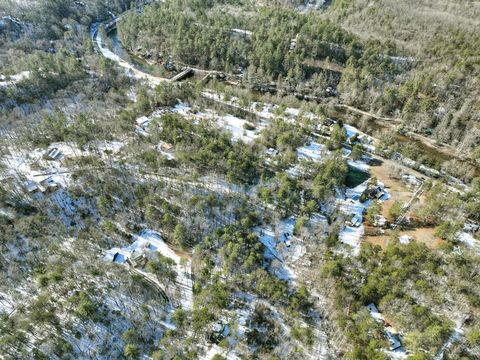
<point x="351" y="206"/>
<point x="404" y="239"/>
<point x="469" y="241"/>
<point x="235" y="126"/>
<point x="270" y="111"/>
<point x="359" y="164"/>
<point x="350" y="130"/>
<point x="267" y="238"/>
<point x="282" y="248"/>
<point x="13" y="79"/>
<point x="455" y="336"/>
<point x="313" y="151"/>
<point x="7" y="305"/>
<point x="217" y="350"/>
<point x="34" y="166"/>
<point x="316" y="152"/>
<point x="228" y="123"/>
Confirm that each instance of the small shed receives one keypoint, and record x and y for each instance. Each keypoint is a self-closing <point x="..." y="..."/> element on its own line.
<point x="379" y="221"/>
<point x="53" y="154"/>
<point x="143" y="121"/>
<point x="271" y="152"/>
<point x="328" y="121"/>
<point x="48" y="186"/>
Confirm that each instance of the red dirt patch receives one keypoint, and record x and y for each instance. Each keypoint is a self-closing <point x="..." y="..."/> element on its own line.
<point x="422" y="235"/>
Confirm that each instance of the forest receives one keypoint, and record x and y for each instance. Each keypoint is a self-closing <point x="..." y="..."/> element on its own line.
<point x="306" y="53"/>
<point x="311" y="190"/>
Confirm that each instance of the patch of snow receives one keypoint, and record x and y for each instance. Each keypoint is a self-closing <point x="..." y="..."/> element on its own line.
<point x="404" y="239"/>
<point x="467" y="239"/>
<point x="370" y="148"/>
<point x="13" y="79"/>
<point x="359" y="164"/>
<point x="235" y="125"/>
<point x="352" y="236"/>
<point x="456" y="335"/>
<point x="7" y="305"/>
<point x="243" y="32"/>
<point x="374" y="312"/>
<point x="313" y="151"/>
<point x="267" y="238"/>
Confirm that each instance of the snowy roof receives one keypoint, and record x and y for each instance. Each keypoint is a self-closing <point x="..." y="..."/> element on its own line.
<point x="380" y="220"/>
<point x="54" y="153"/>
<point x="31" y="186"/>
<point x="356" y="220"/>
<point x="142" y="121"/>
<point x="392" y="339"/>
<point x="271" y="152"/>
<point x="374" y="312"/>
<point x="467" y="239"/>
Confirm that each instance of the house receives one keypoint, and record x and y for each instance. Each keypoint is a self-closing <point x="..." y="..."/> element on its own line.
<point x="143" y="122"/>
<point x="138" y="258"/>
<point x="331" y="91"/>
<point x="393" y="338"/>
<point x="287" y="238"/>
<point x="221" y="76"/>
<point x="429" y="171"/>
<point x="137" y="253"/>
<point x="411" y="180"/>
<point x="169" y="65"/>
<point x="271" y="152"/>
<point x="409" y="162"/>
<point x="379" y="192"/>
<point x="293" y="44"/>
<point x="117" y="257"/>
<point x="48" y="186"/>
<point x="220" y="331"/>
<point x="328" y="122"/>
<point x="471" y="227"/>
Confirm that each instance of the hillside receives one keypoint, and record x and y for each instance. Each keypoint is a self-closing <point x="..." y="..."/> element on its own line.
<point x="238" y="179"/>
<point x="428" y="85"/>
<point x="439" y="95"/>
